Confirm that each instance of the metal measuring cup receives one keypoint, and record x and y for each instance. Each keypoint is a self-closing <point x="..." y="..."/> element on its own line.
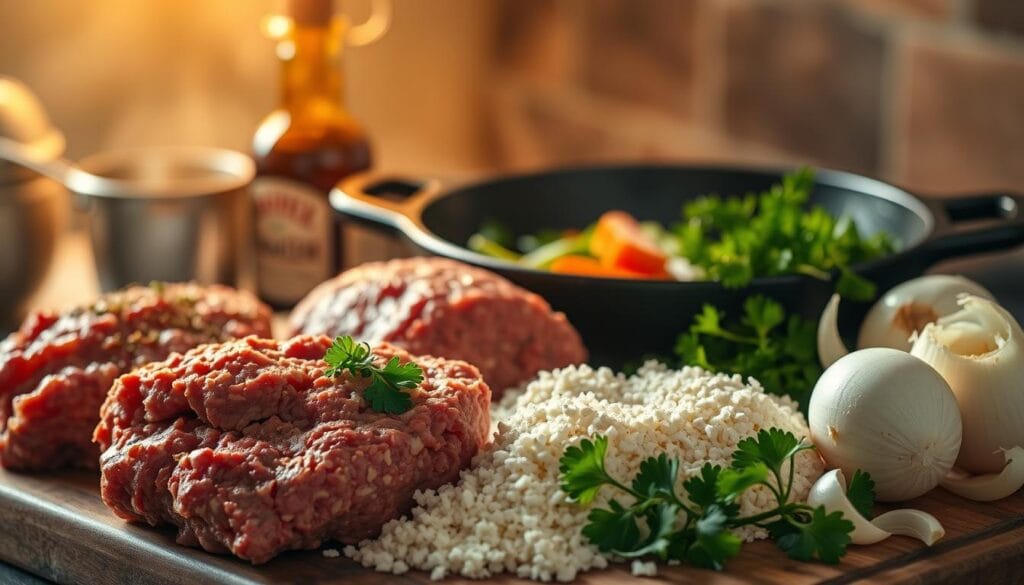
<point x="169" y="214"/>
<point x="162" y="213"/>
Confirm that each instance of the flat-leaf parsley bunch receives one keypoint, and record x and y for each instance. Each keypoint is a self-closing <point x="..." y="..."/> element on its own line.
<point x="697" y="527"/>
<point x="738" y="238"/>
<point x="779" y="351"/>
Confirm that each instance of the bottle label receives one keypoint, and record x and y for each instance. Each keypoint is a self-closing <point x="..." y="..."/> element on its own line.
<point x="294" y="236"/>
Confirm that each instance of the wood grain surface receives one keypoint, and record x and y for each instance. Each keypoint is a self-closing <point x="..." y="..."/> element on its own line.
<point x="57" y="527"/>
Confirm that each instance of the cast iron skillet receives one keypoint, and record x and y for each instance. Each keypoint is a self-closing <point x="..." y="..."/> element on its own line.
<point x="622" y="320"/>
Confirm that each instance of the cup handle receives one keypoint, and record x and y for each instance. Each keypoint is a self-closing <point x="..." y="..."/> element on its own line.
<point x="374" y="27"/>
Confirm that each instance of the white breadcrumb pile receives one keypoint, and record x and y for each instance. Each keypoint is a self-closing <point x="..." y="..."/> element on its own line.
<point x="508" y="514"/>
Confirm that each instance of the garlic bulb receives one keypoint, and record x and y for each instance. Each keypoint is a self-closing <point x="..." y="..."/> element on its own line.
<point x="830" y="491"/>
<point x="979" y="350"/>
<point x="909" y="306"/>
<point x="890" y="414"/>
<point x="991" y="486"/>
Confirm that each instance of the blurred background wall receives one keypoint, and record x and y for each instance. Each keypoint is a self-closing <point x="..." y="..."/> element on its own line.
<point x="927" y="93"/>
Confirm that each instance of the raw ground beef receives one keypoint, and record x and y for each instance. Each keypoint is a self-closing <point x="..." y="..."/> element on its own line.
<point x="246" y="447"/>
<point x="56" y="370"/>
<point x="437" y="306"/>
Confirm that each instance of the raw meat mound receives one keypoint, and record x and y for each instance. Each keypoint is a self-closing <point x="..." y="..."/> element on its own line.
<point x="247" y="447"/>
<point x="56" y="370"/>
<point x="437" y="306"/>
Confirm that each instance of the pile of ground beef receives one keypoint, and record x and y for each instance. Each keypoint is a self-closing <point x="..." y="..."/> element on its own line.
<point x="436" y="306"/>
<point x="247" y="447"/>
<point x="55" y="371"/>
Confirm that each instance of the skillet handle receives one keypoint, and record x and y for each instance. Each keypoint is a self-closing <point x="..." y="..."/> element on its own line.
<point x="384" y="200"/>
<point x="975" y="223"/>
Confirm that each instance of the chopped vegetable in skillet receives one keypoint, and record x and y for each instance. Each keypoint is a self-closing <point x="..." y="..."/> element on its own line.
<point x="728" y="239"/>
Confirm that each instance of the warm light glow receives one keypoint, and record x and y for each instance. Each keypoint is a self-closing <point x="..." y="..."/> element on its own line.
<point x="276" y="26"/>
<point x="279" y="26"/>
<point x="285" y="50"/>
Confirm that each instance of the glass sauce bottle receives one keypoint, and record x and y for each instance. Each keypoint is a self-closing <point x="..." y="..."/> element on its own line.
<point x="302" y="150"/>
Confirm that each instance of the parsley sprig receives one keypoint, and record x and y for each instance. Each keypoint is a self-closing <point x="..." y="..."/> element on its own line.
<point x="386" y="392"/>
<point x="861" y="492"/>
<point x="697" y="528"/>
<point x="738" y="238"/>
<point x="779" y="352"/>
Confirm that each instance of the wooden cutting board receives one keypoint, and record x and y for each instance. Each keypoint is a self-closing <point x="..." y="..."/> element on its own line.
<point x="57" y="527"/>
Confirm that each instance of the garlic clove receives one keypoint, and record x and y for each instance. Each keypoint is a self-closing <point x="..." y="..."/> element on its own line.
<point x="830" y="345"/>
<point x="913" y="523"/>
<point x="991" y="486"/>
<point x="979" y="351"/>
<point x="910" y="306"/>
<point x="830" y="491"/>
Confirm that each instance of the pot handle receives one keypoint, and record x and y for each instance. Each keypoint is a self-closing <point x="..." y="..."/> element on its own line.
<point x="386" y="200"/>
<point x="975" y="223"/>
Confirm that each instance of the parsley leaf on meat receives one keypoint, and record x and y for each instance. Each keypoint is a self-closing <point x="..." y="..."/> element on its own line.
<point x="697" y="528"/>
<point x="779" y="352"/>
<point x="386" y="392"/>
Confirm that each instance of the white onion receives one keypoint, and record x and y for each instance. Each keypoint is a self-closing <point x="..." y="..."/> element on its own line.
<point x="979" y="350"/>
<point x="909" y="306"/>
<point x="890" y="414"/>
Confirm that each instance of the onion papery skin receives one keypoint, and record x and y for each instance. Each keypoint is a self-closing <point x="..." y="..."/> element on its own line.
<point x="908" y="306"/>
<point x="978" y="350"/>
<point x="990" y="487"/>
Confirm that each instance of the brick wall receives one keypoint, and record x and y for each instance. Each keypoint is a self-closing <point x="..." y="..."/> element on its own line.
<point x="926" y="93"/>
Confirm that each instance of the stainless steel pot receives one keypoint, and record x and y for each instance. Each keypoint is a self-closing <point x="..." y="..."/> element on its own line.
<point x="29" y="216"/>
<point x="30" y="205"/>
<point x="171" y="213"/>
